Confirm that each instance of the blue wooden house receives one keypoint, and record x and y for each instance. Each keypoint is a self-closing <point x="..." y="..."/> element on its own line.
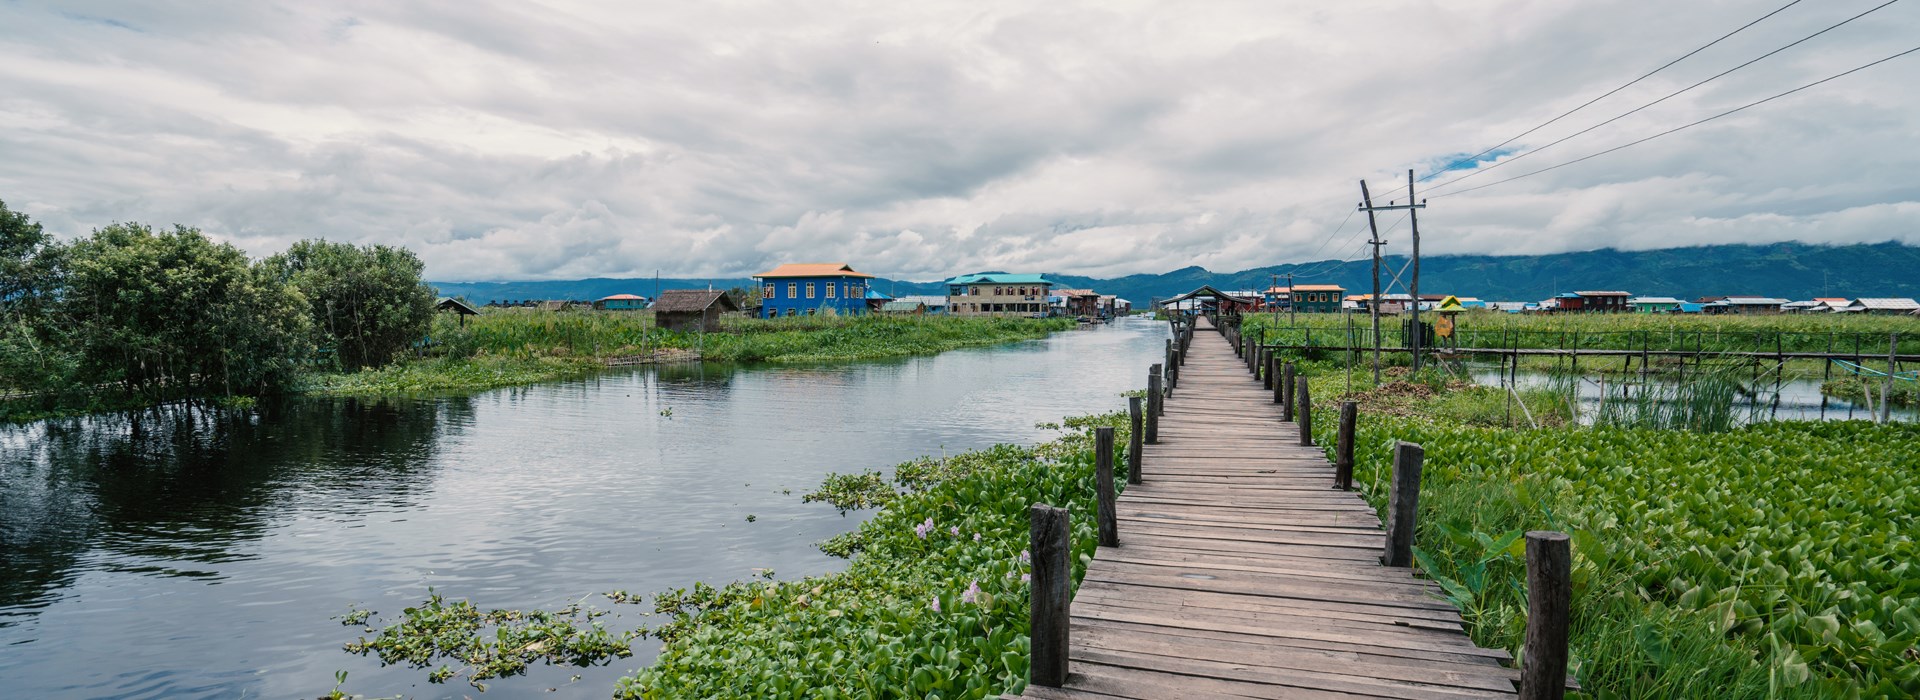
<point x="801" y="289"/>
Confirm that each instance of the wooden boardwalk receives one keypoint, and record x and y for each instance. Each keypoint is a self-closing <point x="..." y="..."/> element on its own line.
<point x="1241" y="572"/>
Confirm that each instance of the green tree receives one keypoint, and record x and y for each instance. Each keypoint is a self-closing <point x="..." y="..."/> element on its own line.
<point x="171" y="314"/>
<point x="368" y="303"/>
<point x="32" y="352"/>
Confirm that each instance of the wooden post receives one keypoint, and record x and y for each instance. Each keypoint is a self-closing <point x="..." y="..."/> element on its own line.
<point x="1279" y="384"/>
<point x="1886" y="391"/>
<point x="1305" y="415"/>
<point x="1052" y="578"/>
<point x="1286" y="392"/>
<point x="1134" y="438"/>
<point x="1543" y="672"/>
<point x="1103" y="483"/>
<point x="1343" y="449"/>
<point x="1156" y="404"/>
<point x="1403" y="502"/>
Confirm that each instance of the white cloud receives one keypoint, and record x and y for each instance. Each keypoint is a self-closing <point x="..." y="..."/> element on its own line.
<point x="565" y="139"/>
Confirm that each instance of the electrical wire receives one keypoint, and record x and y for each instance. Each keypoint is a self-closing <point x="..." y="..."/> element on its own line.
<point x="1630" y="144"/>
<point x="1476" y="157"/>
<point x="1677" y="93"/>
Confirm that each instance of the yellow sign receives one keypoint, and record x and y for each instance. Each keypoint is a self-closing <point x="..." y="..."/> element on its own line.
<point x="1451" y="305"/>
<point x="1443" y="327"/>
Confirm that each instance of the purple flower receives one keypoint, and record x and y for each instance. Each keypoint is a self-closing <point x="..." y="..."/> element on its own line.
<point x="922" y="529"/>
<point x="936" y="603"/>
<point x="1025" y="558"/>
<point x="1026" y="578"/>
<point x="973" y="591"/>
<point x="976" y="537"/>
<point x="955" y="531"/>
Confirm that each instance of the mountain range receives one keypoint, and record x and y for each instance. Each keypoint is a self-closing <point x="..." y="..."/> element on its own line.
<point x="1788" y="270"/>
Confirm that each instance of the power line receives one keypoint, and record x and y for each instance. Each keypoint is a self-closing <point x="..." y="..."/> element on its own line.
<point x="1741" y="108"/>
<point x="1476" y="157"/>
<point x="1672" y="95"/>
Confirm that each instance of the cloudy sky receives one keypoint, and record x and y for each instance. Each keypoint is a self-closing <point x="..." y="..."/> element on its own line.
<point x="562" y="139"/>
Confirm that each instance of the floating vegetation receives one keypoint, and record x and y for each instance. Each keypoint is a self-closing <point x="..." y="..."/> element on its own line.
<point x="465" y="641"/>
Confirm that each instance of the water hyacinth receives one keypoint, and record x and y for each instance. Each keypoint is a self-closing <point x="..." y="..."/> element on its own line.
<point x="955" y="531"/>
<point x="972" y="593"/>
<point x="976" y="537"/>
<point x="936" y="603"/>
<point x="922" y="529"/>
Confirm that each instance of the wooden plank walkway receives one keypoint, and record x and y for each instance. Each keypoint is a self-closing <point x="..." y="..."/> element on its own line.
<point x="1241" y="572"/>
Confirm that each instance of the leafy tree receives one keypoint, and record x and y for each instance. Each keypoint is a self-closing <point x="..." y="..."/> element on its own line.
<point x="368" y="303"/>
<point x="31" y="353"/>
<point x="171" y="314"/>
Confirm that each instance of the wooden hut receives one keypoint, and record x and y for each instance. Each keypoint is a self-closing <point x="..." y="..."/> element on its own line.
<point x="457" y="306"/>
<point x="691" y="309"/>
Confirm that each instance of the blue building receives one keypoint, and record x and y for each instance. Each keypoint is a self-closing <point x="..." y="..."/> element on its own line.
<point x="803" y="289"/>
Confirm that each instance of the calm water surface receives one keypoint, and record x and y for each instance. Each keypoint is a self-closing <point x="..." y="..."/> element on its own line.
<point x="202" y="555"/>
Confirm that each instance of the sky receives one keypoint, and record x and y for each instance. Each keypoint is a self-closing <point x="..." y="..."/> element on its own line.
<point x="916" y="140"/>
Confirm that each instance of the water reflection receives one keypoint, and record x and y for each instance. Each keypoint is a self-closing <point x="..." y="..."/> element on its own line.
<point x="202" y="554"/>
<point x="1755" y="400"/>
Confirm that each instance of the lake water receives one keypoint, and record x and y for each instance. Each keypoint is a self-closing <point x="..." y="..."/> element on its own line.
<point x="1794" y="398"/>
<point x="203" y="556"/>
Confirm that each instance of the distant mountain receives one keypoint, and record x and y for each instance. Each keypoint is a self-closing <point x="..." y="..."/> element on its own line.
<point x="1790" y="270"/>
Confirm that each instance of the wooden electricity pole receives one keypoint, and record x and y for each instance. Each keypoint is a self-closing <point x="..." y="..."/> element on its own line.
<point x="1412" y="207"/>
<point x="1373" y="302"/>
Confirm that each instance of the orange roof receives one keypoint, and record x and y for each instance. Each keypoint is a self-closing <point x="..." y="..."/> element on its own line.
<point x="813" y="270"/>
<point x="1276" y="290"/>
<point x="1318" y="288"/>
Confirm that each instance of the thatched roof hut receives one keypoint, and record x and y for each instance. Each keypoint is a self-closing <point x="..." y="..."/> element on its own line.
<point x="691" y="309"/>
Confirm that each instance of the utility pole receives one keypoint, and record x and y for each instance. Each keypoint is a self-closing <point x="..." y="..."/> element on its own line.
<point x="1412" y="208"/>
<point x="1373" y="302"/>
<point x="1276" y="297"/>
<point x="1290" y="317"/>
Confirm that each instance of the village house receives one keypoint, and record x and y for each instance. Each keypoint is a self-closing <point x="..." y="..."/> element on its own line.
<point x="1277" y="297"/>
<point x="1316" y="298"/>
<point x="691" y="309"/>
<point x="459" y="307"/>
<point x="621" y="302"/>
<point x="1753" y="306"/>
<point x="1603" y="301"/>
<point x="1884" y="307"/>
<point x="1078" y="302"/>
<point x="998" y="294"/>
<point x="932" y="304"/>
<point x="801" y="289"/>
<point x="1654" y="305"/>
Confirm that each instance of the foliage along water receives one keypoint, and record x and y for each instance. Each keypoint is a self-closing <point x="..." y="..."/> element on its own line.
<point x="201" y="555"/>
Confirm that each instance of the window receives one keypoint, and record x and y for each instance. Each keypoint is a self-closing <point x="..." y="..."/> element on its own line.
<point x="793" y="291"/>
<point x="956" y="291"/>
<point x="809" y="290"/>
<point x="833" y="289"/>
<point x="854" y="290"/>
<point x="789" y="311"/>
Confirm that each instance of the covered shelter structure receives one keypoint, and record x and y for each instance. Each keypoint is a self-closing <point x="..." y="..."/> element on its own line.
<point x="1207" y="300"/>
<point x="691" y="309"/>
<point x="456" y="306"/>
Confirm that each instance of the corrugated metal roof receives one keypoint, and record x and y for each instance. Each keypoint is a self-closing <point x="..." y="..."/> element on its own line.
<point x="1756" y="301"/>
<point x="1653" y="300"/>
<point x="623" y="297"/>
<point x="1889" y="304"/>
<point x="902" y="306"/>
<point x="1603" y="294"/>
<point x="1318" y="288"/>
<point x="813" y="270"/>
<point x="678" y="300"/>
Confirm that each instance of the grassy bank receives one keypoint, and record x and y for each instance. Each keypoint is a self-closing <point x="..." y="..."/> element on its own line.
<point x="1840" y="333"/>
<point x="522" y="346"/>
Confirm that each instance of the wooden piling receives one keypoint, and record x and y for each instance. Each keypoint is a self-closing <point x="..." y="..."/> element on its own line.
<point x="1403" y="501"/>
<point x="1103" y="482"/>
<point x="1305" y="415"/>
<point x="1543" y="673"/>
<point x="1156" y="405"/>
<point x="1134" y="438"/>
<point x="1052" y="580"/>
<point x="1286" y="392"/>
<point x="1886" y="389"/>
<point x="1343" y="449"/>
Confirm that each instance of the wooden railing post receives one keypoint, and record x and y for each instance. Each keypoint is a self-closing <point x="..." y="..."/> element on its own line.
<point x="1273" y="372"/>
<point x="1403" y="501"/>
<point x="1134" y="438"/>
<point x="1343" y="449"/>
<point x="1306" y="412"/>
<point x="1173" y="370"/>
<point x="1052" y="579"/>
<point x="1155" y="405"/>
<point x="1543" y="671"/>
<point x="1103" y="483"/>
<point x="1286" y="392"/>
